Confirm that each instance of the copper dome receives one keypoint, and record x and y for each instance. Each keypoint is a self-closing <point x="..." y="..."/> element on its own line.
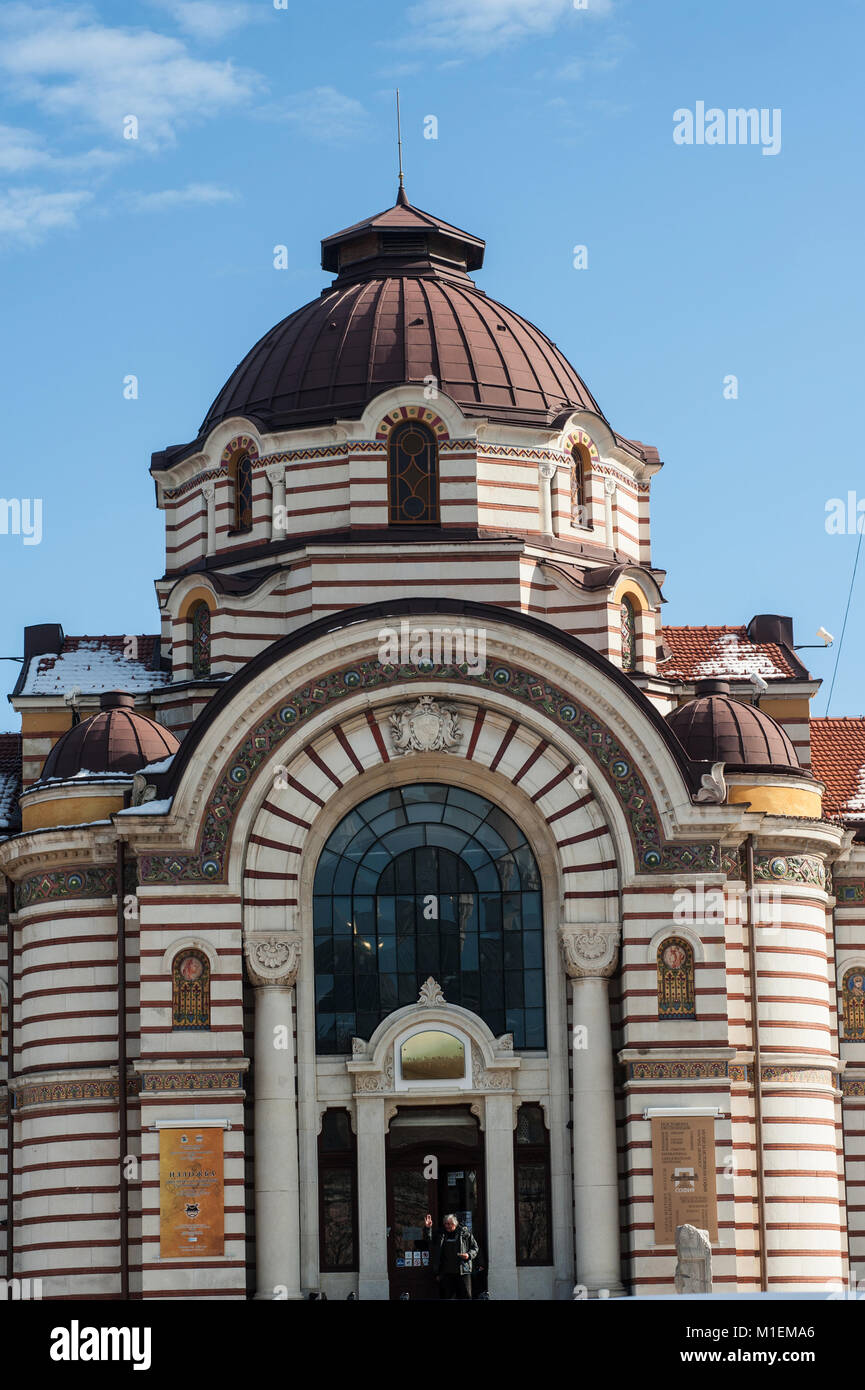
<point x="116" y="740"/>
<point x="403" y="309"/>
<point x="716" y="728"/>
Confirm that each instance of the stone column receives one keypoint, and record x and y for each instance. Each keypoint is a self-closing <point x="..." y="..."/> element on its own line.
<point x="272" y="962"/>
<point x="501" y="1225"/>
<point x="546" y="473"/>
<point x="609" y="530"/>
<point x="276" y="478"/>
<point x="208" y="492"/>
<point x="373" y="1282"/>
<point x="589" y="954"/>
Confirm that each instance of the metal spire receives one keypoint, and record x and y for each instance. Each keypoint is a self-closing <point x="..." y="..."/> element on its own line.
<point x="401" y="196"/>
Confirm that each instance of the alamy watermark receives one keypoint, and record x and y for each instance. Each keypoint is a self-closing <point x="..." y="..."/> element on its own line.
<point x="22" y="516"/>
<point x="736" y="126"/>
<point x="437" y="646"/>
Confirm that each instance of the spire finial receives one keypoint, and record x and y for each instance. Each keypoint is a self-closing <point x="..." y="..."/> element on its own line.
<point x="401" y="196"/>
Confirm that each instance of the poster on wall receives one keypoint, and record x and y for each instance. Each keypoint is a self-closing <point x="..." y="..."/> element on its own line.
<point x="191" y="1192"/>
<point x="683" y="1175"/>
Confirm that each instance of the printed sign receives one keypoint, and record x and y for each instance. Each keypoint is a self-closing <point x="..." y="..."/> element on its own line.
<point x="683" y="1173"/>
<point x="191" y="1193"/>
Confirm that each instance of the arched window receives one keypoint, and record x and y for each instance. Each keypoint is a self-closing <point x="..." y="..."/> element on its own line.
<point x="579" y="487"/>
<point x="199" y="624"/>
<point x="676" y="995"/>
<point x="853" y="1002"/>
<point x="337" y="1192"/>
<point x="532" y="1181"/>
<point x="241" y="473"/>
<point x="190" y="990"/>
<point x="413" y="475"/>
<point x="427" y="880"/>
<point x="629" y="634"/>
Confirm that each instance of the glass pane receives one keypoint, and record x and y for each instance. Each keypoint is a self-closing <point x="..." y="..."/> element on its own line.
<point x="337" y="1202"/>
<point x="533" y="1244"/>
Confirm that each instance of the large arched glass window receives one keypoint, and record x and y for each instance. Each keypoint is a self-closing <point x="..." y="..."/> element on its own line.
<point x="427" y="880"/>
<point x="412" y="464"/>
<point x="199" y="625"/>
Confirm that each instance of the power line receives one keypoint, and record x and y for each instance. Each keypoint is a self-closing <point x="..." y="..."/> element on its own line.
<point x="846" y="612"/>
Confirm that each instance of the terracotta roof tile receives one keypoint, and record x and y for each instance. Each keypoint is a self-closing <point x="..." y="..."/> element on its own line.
<point x="838" y="759"/>
<point x="10" y="779"/>
<point x="698" y="653"/>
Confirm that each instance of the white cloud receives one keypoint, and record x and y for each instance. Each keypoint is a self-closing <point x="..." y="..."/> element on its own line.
<point x="22" y="150"/>
<point x="209" y="20"/>
<point x="322" y="114"/>
<point x="168" y="198"/>
<point x="479" y="26"/>
<point x="74" y="67"/>
<point x="27" y="215"/>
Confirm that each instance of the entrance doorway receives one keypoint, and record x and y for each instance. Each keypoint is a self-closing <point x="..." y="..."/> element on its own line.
<point x="435" y="1165"/>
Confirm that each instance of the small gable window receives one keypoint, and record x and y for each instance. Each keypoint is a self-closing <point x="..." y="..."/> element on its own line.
<point x="190" y="991"/>
<point x="413" y="475"/>
<point x="628" y="619"/>
<point x="676" y="993"/>
<point x="199" y="622"/>
<point x="241" y="471"/>
<point x="579" y="487"/>
<point x="853" y="1002"/>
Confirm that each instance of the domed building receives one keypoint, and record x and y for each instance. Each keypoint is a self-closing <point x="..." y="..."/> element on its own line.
<point x="416" y="866"/>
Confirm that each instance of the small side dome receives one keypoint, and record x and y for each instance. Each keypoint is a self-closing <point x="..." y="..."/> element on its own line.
<point x="715" y="728"/>
<point x="116" y="740"/>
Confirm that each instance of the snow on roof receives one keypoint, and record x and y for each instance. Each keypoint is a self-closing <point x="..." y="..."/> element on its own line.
<point x="10" y="777"/>
<point x="96" y="664"/>
<point x="838" y="759"/>
<point x="701" y="653"/>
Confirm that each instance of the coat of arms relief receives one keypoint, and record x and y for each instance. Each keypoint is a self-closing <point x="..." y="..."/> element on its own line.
<point x="425" y="727"/>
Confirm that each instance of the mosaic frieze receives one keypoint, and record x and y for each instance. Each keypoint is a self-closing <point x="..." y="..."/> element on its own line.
<point x="653" y="853"/>
<point x="152" y="1081"/>
<point x="85" y="881"/>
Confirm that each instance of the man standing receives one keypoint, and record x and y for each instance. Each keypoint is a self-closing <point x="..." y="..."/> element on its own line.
<point x="453" y="1253"/>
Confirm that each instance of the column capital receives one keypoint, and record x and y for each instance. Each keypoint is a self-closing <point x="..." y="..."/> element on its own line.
<point x="272" y="958"/>
<point x="208" y="490"/>
<point x="589" y="949"/>
<point x="547" y="467"/>
<point x="275" y="473"/>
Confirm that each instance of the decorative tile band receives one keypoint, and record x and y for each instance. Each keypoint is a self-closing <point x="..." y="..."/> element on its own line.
<point x="412" y="412"/>
<point x="853" y="1085"/>
<point x="52" y="1092"/>
<point x="80" y="881"/>
<point x="793" y="868"/>
<point x="677" y="1071"/>
<point x="152" y="1081"/>
<point x="850" y="890"/>
<point x="653" y="852"/>
<point x="732" y="1071"/>
<point x="242" y="444"/>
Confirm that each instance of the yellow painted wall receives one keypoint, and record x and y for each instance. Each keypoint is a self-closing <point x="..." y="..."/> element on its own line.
<point x="779" y="801"/>
<point x="68" y="810"/>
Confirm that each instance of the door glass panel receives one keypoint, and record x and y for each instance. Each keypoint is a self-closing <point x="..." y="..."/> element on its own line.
<point x="410" y="1206"/>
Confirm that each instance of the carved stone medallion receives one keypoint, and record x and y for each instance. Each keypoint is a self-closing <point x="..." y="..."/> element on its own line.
<point x="426" y="727"/>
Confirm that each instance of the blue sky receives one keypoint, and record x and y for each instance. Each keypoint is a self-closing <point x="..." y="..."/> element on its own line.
<point x="260" y="126"/>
